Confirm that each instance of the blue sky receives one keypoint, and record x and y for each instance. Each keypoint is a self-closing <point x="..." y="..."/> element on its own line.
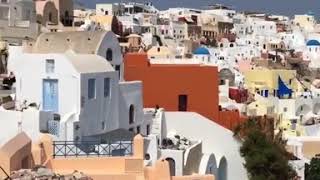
<point x="285" y="7"/>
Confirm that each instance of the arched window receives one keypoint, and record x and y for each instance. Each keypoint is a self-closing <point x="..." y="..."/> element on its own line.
<point x="109" y="54"/>
<point x="172" y="166"/>
<point x="131" y="114"/>
<point x="222" y="170"/>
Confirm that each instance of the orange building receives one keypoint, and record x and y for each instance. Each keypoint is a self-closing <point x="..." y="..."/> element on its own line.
<point x="21" y="153"/>
<point x="179" y="87"/>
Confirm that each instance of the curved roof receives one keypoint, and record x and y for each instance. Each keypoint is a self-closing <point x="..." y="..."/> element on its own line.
<point x="88" y="63"/>
<point x="82" y="42"/>
<point x="201" y="51"/>
<point x="313" y="43"/>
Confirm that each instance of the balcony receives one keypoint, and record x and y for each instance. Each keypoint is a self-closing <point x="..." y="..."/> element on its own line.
<point x="91" y="149"/>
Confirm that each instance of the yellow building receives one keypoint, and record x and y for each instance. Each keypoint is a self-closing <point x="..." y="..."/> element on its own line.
<point x="271" y="82"/>
<point x="261" y="107"/>
<point x="291" y="128"/>
<point x="107" y="22"/>
<point x="160" y="52"/>
<point x="305" y="21"/>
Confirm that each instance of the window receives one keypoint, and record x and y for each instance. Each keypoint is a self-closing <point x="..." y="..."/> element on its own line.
<point x="148" y="129"/>
<point x="138" y="129"/>
<point x="91" y="89"/>
<point x="109" y="54"/>
<point x="118" y="69"/>
<point x="285" y="109"/>
<point x="131" y="130"/>
<point x="147" y="156"/>
<point x="106" y="87"/>
<point x="49" y="66"/>
<point x="103" y="125"/>
<point x="131" y="114"/>
<point x="183" y="102"/>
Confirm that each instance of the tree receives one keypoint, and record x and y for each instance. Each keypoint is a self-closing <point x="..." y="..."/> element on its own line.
<point x="265" y="155"/>
<point x="312" y="171"/>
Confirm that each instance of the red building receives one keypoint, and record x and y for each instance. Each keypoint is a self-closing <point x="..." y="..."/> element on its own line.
<point x="179" y="88"/>
<point x="238" y="94"/>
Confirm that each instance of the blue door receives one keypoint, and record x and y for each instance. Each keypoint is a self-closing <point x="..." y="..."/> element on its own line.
<point x="266" y="93"/>
<point x="50" y="95"/>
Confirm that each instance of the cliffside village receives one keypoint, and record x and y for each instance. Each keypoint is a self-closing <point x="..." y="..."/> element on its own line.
<point x="126" y="91"/>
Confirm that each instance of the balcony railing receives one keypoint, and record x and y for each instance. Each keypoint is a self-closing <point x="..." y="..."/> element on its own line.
<point x="91" y="149"/>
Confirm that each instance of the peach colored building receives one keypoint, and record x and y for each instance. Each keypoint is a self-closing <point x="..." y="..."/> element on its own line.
<point x="18" y="153"/>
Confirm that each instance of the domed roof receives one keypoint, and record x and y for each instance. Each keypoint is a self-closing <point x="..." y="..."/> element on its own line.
<point x="201" y="51"/>
<point x="313" y="43"/>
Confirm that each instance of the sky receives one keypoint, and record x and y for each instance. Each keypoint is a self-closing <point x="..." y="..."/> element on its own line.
<point x="281" y="7"/>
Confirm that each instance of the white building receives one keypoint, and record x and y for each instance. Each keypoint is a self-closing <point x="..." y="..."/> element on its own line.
<point x="254" y="26"/>
<point x="225" y="160"/>
<point x="109" y="9"/>
<point x="81" y="91"/>
<point x="312" y="53"/>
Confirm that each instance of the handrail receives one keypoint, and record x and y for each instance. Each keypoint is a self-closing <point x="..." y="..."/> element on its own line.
<point x="91" y="148"/>
<point x="8" y="177"/>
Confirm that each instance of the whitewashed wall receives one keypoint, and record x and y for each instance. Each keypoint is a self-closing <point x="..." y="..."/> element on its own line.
<point x="215" y="139"/>
<point x="14" y="122"/>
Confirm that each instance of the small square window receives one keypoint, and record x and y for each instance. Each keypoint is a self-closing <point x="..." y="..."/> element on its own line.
<point x="91" y="89"/>
<point x="49" y="66"/>
<point x="285" y="109"/>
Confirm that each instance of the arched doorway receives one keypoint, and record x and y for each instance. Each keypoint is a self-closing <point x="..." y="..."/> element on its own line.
<point x="226" y="74"/>
<point x="222" y="170"/>
<point x="172" y="166"/>
<point x="66" y="18"/>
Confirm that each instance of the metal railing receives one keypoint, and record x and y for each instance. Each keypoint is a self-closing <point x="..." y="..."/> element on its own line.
<point x="91" y="149"/>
